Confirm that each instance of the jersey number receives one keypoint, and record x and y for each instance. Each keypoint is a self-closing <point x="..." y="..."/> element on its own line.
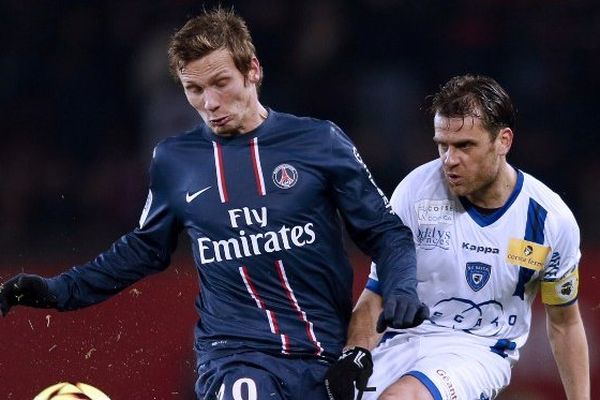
<point x="237" y="390"/>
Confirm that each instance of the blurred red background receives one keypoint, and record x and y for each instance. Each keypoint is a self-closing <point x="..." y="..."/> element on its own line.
<point x="85" y="95"/>
<point x="138" y="345"/>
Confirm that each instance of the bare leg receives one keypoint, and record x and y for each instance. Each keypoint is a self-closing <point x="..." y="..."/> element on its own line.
<point x="406" y="388"/>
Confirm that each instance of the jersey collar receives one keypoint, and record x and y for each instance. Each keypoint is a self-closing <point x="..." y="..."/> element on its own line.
<point x="488" y="219"/>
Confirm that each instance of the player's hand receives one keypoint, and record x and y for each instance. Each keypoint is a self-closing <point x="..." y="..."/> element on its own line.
<point x="26" y="290"/>
<point x="401" y="312"/>
<point x="354" y="366"/>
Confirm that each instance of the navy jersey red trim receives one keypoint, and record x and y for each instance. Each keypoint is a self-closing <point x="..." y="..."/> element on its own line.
<point x="261" y="211"/>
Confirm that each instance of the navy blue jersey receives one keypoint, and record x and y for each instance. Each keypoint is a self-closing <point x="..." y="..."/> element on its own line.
<point x="262" y="211"/>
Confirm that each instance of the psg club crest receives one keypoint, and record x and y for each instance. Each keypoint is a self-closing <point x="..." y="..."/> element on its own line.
<point x="477" y="274"/>
<point x="285" y="176"/>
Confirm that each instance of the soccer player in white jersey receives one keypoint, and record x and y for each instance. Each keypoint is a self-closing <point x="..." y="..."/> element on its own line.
<point x="489" y="237"/>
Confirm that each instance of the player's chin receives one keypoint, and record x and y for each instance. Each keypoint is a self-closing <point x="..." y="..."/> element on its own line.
<point x="224" y="131"/>
<point x="458" y="190"/>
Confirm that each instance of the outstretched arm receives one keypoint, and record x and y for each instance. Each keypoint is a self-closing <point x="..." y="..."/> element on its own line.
<point x="362" y="329"/>
<point x="569" y="346"/>
<point x="144" y="251"/>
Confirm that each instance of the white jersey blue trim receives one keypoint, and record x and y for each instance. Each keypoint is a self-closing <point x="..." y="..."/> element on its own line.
<point x="469" y="268"/>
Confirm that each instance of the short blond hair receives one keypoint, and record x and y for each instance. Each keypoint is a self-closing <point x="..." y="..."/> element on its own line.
<point x="214" y="29"/>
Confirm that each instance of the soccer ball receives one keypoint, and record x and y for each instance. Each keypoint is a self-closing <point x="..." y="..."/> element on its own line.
<point x="68" y="391"/>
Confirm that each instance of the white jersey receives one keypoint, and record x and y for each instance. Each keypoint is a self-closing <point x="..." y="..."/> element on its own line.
<point x="480" y="273"/>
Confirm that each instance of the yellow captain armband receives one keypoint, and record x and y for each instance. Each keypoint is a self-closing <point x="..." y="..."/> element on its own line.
<point x="562" y="291"/>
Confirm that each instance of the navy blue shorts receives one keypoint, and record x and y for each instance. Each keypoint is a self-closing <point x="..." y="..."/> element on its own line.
<point x="258" y="376"/>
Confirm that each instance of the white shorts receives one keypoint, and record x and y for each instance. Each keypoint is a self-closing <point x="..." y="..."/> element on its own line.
<point x="453" y="367"/>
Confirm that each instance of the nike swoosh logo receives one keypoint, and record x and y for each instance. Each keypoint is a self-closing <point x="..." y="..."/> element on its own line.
<point x="189" y="197"/>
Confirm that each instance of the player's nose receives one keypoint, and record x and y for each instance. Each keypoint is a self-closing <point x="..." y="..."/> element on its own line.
<point x="211" y="101"/>
<point x="450" y="157"/>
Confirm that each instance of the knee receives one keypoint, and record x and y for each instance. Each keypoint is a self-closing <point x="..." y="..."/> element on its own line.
<point x="396" y="395"/>
<point x="407" y="388"/>
<point x="404" y="395"/>
<point x="396" y="392"/>
<point x="388" y="396"/>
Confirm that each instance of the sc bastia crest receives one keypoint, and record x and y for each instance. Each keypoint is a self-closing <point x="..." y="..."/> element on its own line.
<point x="477" y="274"/>
<point x="285" y="176"/>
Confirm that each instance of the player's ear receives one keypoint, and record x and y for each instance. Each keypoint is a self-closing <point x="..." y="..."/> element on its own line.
<point x="254" y="71"/>
<point x="504" y="141"/>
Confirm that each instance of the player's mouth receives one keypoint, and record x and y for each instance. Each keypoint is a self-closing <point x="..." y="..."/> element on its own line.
<point x="453" y="179"/>
<point x="219" y="122"/>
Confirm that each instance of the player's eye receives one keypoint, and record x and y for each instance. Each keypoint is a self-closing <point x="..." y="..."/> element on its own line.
<point x="193" y="89"/>
<point x="222" y="82"/>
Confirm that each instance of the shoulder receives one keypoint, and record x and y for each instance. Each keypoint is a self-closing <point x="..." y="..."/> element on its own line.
<point x="425" y="180"/>
<point x="323" y="139"/>
<point x="558" y="215"/>
<point x="549" y="200"/>
<point x="306" y="125"/>
<point x="168" y="147"/>
<point x="305" y="122"/>
<point x="422" y="189"/>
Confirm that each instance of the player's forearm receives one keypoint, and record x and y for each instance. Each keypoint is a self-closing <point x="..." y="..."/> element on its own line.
<point x="570" y="349"/>
<point x="397" y="266"/>
<point x="361" y="331"/>
<point x="130" y="259"/>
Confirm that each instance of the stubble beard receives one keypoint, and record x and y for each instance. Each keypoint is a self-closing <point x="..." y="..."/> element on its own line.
<point x="226" y="131"/>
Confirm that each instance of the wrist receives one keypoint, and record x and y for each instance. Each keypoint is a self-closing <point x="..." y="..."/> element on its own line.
<point x="357" y="347"/>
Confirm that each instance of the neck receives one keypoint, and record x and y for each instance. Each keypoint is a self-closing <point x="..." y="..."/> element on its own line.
<point x="256" y="116"/>
<point x="259" y="115"/>
<point x="498" y="191"/>
<point x="262" y="113"/>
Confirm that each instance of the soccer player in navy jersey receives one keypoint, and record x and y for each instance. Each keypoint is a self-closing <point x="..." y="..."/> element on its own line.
<point x="260" y="194"/>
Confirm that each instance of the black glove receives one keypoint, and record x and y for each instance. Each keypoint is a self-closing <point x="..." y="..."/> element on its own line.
<point x="401" y="312"/>
<point x="26" y="290"/>
<point x="354" y="365"/>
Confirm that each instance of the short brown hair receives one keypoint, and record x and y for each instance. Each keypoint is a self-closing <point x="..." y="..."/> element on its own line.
<point x="214" y="29"/>
<point x="475" y="96"/>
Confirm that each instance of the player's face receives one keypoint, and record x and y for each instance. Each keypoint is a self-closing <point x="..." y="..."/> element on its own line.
<point x="226" y="100"/>
<point x="471" y="159"/>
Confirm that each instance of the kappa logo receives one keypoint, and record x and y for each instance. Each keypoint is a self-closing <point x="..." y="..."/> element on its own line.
<point x="480" y="249"/>
<point x="285" y="176"/>
<point x="477" y="274"/>
<point x="190" y="197"/>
